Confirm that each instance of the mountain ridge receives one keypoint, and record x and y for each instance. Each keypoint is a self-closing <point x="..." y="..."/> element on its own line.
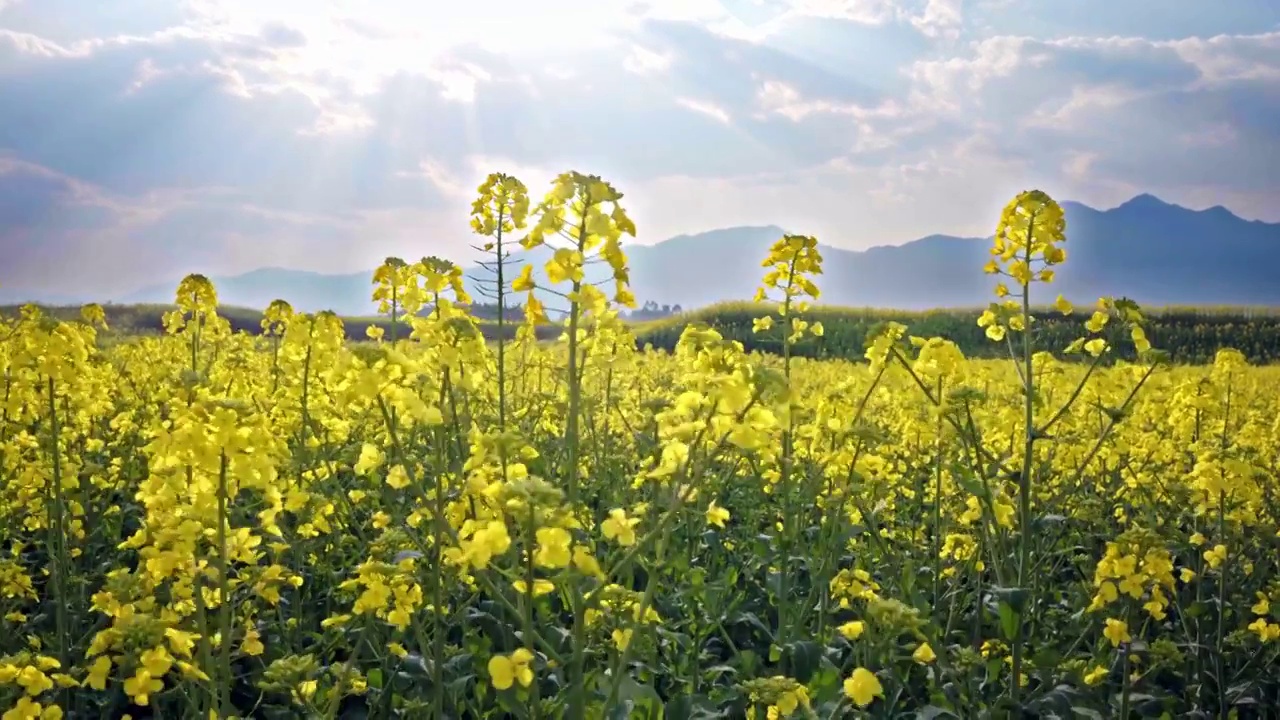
<point x="1145" y="248"/>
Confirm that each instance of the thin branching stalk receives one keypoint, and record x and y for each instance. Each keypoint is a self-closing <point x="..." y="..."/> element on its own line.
<point x="224" y="675"/>
<point x="58" y="531"/>
<point x="1024" y="477"/>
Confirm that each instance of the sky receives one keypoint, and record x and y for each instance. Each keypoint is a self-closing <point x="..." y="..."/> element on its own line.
<point x="144" y="139"/>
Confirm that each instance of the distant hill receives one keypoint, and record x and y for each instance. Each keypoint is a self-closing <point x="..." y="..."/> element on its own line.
<point x="347" y="294"/>
<point x="1146" y="249"/>
<point x="673" y="268"/>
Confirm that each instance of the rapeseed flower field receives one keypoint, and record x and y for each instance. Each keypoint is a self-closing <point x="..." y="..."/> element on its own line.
<point x="214" y="525"/>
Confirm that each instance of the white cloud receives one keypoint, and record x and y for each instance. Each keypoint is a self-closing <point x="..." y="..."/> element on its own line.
<point x="1225" y="58"/>
<point x="775" y="96"/>
<point x="780" y="98"/>
<point x="944" y="84"/>
<point x="1078" y="165"/>
<point x="940" y="18"/>
<point x="29" y="44"/>
<point x="1079" y="105"/>
<point x="1214" y="135"/>
<point x="871" y="12"/>
<point x="459" y="82"/>
<point x="703" y="107"/>
<point x="643" y="61"/>
<point x="439" y="177"/>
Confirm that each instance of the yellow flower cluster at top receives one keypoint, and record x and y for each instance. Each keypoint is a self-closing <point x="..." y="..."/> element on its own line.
<point x="791" y="261"/>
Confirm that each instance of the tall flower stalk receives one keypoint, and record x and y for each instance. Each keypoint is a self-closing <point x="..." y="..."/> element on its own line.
<point x="582" y="211"/>
<point x="501" y="208"/>
<point x="791" y="262"/>
<point x="1025" y="249"/>
<point x="585" y="214"/>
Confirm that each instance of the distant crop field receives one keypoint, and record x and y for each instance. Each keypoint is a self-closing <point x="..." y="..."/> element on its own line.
<point x="210" y="512"/>
<point x="1189" y="334"/>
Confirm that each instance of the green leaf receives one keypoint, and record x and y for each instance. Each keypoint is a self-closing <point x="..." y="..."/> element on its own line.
<point x="690" y="707"/>
<point x="1050" y="519"/>
<point x="827" y="681"/>
<point x="1008" y="620"/>
<point x="715" y="671"/>
<point x="678" y="708"/>
<point x="971" y="485"/>
<point x="804" y="658"/>
<point x="355" y="712"/>
<point x="751" y="619"/>
<point x="1047" y="658"/>
<point x="1016" y="597"/>
<point x="1147" y="705"/>
<point x="459" y="684"/>
<point x="621" y="710"/>
<point x="638" y="696"/>
<point x="415" y="665"/>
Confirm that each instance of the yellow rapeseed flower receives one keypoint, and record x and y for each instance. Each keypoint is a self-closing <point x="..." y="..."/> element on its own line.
<point x="863" y="687"/>
<point x="506" y="670"/>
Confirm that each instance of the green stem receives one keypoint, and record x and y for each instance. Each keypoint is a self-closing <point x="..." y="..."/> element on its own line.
<point x="1124" y="684"/>
<point x="224" y="592"/>
<point x="937" y="507"/>
<point x="529" y="578"/>
<point x="784" y="566"/>
<point x="394" y="312"/>
<point x="1028" y="454"/>
<point x="502" y="319"/>
<point x="58" y="528"/>
<point x="577" y="701"/>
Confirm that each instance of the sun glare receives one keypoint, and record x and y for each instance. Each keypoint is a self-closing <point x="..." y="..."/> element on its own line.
<point x="365" y="42"/>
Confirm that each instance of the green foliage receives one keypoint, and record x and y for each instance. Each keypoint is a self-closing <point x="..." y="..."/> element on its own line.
<point x="148" y="319"/>
<point x="1189" y="335"/>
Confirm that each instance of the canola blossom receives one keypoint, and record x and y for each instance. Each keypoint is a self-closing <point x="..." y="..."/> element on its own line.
<point x="210" y="524"/>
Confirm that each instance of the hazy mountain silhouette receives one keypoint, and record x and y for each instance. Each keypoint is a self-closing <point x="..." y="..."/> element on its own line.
<point x="310" y="291"/>
<point x="1146" y="249"/>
